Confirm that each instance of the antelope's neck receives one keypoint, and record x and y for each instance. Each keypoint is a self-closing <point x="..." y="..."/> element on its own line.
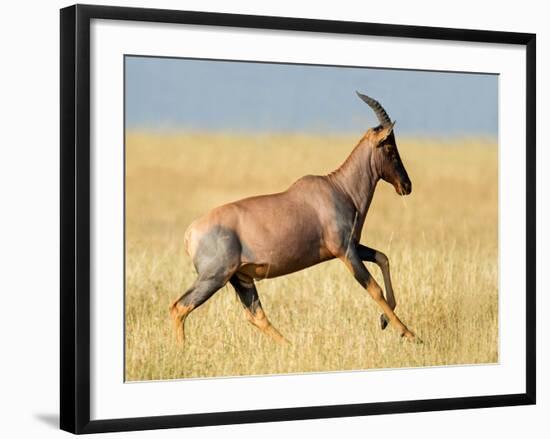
<point x="357" y="178"/>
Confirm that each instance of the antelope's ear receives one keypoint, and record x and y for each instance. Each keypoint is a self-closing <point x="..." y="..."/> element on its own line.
<point x="383" y="134"/>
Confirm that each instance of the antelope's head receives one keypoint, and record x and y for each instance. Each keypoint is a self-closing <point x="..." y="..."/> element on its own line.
<point x="385" y="156"/>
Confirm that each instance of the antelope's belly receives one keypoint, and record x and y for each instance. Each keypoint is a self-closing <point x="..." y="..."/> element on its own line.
<point x="281" y="263"/>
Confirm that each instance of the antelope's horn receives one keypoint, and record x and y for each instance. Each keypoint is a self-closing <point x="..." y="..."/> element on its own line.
<point x="381" y="114"/>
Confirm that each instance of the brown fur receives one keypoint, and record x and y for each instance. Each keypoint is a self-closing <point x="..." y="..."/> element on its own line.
<point x="316" y="219"/>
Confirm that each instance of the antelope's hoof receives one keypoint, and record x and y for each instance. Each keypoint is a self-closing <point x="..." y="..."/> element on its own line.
<point x="383" y="321"/>
<point x="410" y="337"/>
<point x="180" y="342"/>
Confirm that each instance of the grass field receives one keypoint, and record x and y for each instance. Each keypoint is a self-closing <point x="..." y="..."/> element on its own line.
<point x="442" y="242"/>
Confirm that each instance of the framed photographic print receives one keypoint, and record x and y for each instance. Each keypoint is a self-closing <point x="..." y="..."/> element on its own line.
<point x="273" y="218"/>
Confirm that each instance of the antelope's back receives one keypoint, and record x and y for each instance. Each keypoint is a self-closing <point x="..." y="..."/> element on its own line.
<point x="283" y="230"/>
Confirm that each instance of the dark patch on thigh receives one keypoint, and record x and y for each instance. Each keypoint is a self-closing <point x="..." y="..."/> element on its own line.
<point x="219" y="249"/>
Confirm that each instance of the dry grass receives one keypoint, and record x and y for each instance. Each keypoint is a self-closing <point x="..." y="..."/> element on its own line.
<point x="441" y="241"/>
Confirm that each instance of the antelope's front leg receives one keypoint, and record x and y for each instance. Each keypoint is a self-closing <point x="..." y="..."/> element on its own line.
<point x="371" y="255"/>
<point x="362" y="275"/>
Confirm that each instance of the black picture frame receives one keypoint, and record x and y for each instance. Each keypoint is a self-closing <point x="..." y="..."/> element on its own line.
<point x="75" y="217"/>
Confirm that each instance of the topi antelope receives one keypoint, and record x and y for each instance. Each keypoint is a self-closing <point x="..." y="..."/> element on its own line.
<point x="316" y="219"/>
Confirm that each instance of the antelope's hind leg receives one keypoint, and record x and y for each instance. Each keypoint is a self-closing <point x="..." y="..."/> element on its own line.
<point x="248" y="295"/>
<point x="216" y="259"/>
<point x="201" y="290"/>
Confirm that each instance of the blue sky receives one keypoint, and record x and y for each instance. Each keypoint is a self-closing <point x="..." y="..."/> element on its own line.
<point x="180" y="94"/>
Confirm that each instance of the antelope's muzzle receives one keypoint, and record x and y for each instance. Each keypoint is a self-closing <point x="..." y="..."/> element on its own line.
<point x="404" y="188"/>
